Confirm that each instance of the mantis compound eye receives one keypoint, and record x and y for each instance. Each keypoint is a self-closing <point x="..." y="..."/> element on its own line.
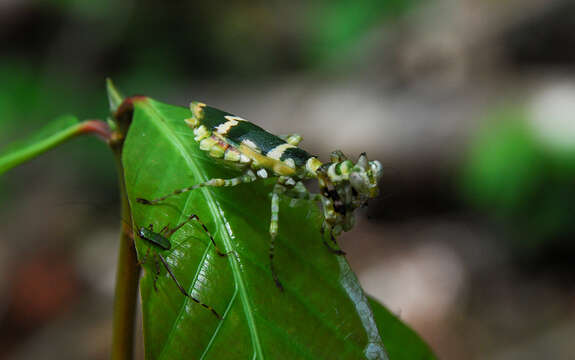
<point x="359" y="182"/>
<point x="376" y="170"/>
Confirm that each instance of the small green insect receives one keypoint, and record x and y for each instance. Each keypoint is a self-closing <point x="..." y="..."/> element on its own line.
<point x="258" y="154"/>
<point x="160" y="241"/>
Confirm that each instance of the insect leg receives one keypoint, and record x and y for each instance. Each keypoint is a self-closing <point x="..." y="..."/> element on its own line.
<point x="165" y="231"/>
<point x="247" y="177"/>
<point x="183" y="291"/>
<point x="195" y="217"/>
<point x="299" y="191"/>
<point x="329" y="247"/>
<point x="157" y="273"/>
<point x="333" y="250"/>
<point x="145" y="258"/>
<point x="165" y="263"/>
<point x="278" y="189"/>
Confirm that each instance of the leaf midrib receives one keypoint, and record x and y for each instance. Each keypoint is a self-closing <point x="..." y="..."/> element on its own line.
<point x="215" y="209"/>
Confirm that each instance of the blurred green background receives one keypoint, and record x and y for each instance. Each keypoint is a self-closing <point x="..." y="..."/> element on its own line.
<point x="469" y="104"/>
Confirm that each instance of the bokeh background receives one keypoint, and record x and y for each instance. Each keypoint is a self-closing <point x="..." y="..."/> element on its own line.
<point x="469" y="104"/>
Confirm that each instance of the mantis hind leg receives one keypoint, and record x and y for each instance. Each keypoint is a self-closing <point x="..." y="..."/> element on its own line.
<point x="247" y="177"/>
<point x="279" y="188"/>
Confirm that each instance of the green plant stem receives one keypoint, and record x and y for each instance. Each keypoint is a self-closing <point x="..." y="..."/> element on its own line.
<point x="127" y="276"/>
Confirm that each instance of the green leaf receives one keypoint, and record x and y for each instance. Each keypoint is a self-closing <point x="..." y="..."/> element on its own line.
<point x="53" y="134"/>
<point x="115" y="98"/>
<point x="401" y="342"/>
<point x="323" y="312"/>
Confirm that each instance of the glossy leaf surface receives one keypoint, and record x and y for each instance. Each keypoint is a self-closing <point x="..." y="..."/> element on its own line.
<point x="401" y="342"/>
<point x="323" y="312"/>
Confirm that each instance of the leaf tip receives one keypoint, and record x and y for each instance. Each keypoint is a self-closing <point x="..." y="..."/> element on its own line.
<point x="115" y="98"/>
